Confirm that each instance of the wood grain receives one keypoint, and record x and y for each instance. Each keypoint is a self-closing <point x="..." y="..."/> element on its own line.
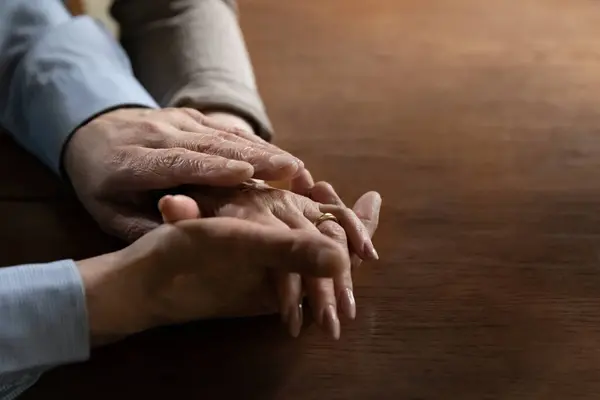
<point x="479" y="123"/>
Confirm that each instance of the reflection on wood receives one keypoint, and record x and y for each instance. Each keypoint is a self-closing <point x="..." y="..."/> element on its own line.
<point x="478" y="121"/>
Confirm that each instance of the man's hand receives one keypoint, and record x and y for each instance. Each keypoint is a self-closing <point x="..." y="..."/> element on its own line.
<point x="117" y="159"/>
<point x="198" y="269"/>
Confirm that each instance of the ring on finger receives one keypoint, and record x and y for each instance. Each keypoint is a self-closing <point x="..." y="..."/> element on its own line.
<point x="326" y="217"/>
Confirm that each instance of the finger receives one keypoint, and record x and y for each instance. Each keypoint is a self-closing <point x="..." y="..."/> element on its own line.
<point x="323" y="192"/>
<point x="288" y="286"/>
<point x="253" y="137"/>
<point x="343" y="285"/>
<point x="148" y="169"/>
<point x="303" y="183"/>
<point x="367" y="209"/>
<point x="249" y="139"/>
<point x="267" y="164"/>
<point x="249" y="243"/>
<point x="322" y="291"/>
<point x="358" y="237"/>
<point x="125" y="222"/>
<point x="178" y="208"/>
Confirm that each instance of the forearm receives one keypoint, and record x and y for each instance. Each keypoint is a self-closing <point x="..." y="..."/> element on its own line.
<point x="43" y="322"/>
<point x="56" y="73"/>
<point x="202" y="63"/>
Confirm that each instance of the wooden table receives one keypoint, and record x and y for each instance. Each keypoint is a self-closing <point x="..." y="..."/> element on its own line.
<point x="479" y="122"/>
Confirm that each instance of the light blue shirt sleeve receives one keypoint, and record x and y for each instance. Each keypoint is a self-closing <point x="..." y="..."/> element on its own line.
<point x="56" y="73"/>
<point x="43" y="322"/>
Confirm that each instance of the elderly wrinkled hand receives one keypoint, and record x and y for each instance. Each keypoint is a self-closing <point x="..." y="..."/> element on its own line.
<point x="117" y="159"/>
<point x="268" y="206"/>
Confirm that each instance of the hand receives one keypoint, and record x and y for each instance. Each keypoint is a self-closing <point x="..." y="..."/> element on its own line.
<point x="231" y="121"/>
<point x="366" y="208"/>
<point x="279" y="208"/>
<point x="115" y="160"/>
<point x="198" y="269"/>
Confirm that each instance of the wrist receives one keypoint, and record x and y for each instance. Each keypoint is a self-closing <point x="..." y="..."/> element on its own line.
<point x="113" y="297"/>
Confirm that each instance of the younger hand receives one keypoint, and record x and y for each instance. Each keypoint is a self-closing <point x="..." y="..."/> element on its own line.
<point x="198" y="269"/>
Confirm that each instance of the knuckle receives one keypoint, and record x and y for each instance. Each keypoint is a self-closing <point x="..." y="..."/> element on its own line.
<point x="119" y="170"/>
<point x="150" y="127"/>
<point x="205" y="165"/>
<point x="172" y="159"/>
<point x="236" y="153"/>
<point x="192" y="112"/>
<point x="118" y="158"/>
<point x="334" y="231"/>
<point x="229" y="134"/>
<point x="190" y="144"/>
<point x="324" y="192"/>
<point x="324" y="186"/>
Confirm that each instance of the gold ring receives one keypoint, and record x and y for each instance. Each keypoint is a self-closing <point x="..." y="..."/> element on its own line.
<point x="326" y="217"/>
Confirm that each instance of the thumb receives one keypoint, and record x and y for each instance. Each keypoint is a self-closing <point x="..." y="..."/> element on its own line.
<point x="178" y="208"/>
<point x="367" y="209"/>
<point x="285" y="250"/>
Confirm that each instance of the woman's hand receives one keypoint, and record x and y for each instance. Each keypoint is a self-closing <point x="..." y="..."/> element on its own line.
<point x="197" y="269"/>
<point x="261" y="203"/>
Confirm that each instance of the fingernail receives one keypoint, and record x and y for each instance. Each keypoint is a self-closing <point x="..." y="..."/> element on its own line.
<point x="238" y="166"/>
<point x="162" y="200"/>
<point x="370" y="251"/>
<point x="281" y="161"/>
<point x="348" y="304"/>
<point x="295" y="320"/>
<point x="331" y="322"/>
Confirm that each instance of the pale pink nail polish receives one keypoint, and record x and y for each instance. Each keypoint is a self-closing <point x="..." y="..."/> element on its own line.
<point x="370" y="251"/>
<point x="295" y="320"/>
<point x="348" y="303"/>
<point x="331" y="322"/>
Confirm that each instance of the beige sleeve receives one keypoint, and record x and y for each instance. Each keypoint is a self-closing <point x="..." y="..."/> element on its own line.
<point x="191" y="53"/>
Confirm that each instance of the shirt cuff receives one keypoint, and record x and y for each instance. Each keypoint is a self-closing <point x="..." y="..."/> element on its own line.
<point x="65" y="81"/>
<point x="44" y="318"/>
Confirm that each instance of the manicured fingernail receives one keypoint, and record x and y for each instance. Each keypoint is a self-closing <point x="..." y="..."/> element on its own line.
<point x="370" y="251"/>
<point x="281" y="161"/>
<point x="331" y="322"/>
<point x="238" y="166"/>
<point x="295" y="320"/>
<point x="348" y="304"/>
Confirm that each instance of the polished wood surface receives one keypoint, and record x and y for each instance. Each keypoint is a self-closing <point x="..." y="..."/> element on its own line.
<point x="479" y="123"/>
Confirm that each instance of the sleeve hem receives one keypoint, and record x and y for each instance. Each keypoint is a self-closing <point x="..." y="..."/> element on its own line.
<point x="44" y="309"/>
<point x="225" y="95"/>
<point x="63" y="81"/>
